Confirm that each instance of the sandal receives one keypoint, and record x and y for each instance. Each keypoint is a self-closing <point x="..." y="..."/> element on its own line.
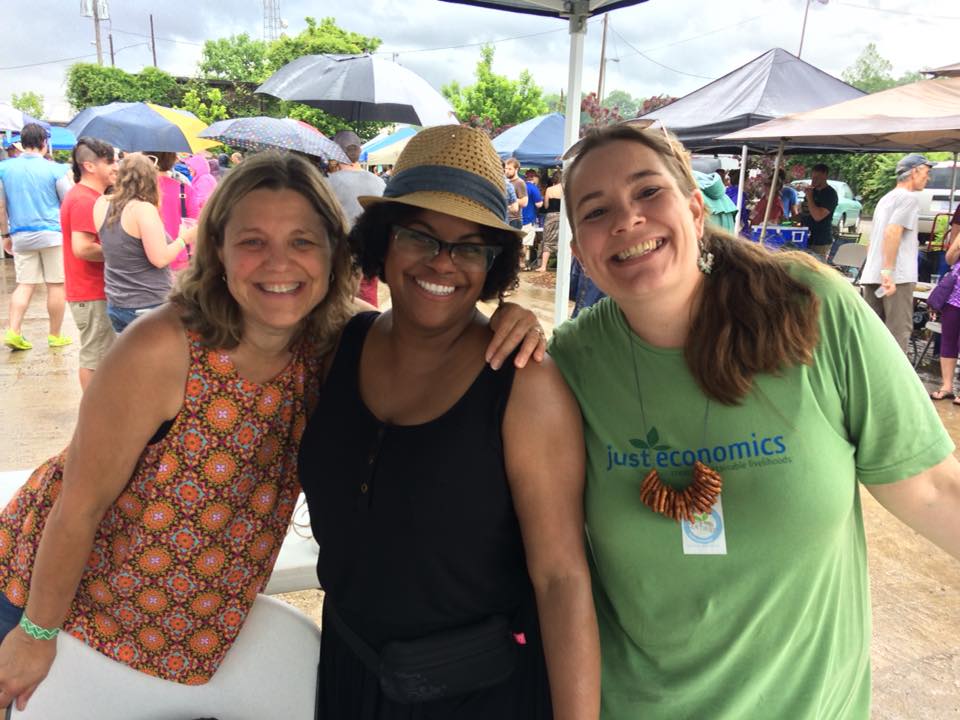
<point x="943" y="395"/>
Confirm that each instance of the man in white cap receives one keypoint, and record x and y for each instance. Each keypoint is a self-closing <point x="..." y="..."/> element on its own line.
<point x="890" y="272"/>
<point x="350" y="182"/>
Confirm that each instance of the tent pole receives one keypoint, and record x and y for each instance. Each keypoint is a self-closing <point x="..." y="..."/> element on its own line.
<point x="773" y="184"/>
<point x="742" y="186"/>
<point x="571" y="132"/>
<point x="953" y="185"/>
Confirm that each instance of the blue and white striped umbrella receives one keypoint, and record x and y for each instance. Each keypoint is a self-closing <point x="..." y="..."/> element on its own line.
<point x="261" y="133"/>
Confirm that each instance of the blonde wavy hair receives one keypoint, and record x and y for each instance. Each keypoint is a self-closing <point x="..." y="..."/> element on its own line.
<point x="201" y="292"/>
<point x="752" y="316"/>
<point x="136" y="180"/>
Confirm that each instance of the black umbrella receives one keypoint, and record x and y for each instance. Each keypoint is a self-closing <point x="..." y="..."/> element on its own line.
<point x="360" y="87"/>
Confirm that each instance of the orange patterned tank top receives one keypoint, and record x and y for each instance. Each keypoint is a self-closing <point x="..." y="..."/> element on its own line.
<point x="181" y="554"/>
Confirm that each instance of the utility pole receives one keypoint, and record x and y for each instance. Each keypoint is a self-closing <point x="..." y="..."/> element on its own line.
<point x="153" y="42"/>
<point x="110" y="38"/>
<point x="96" y="31"/>
<point x="603" y="58"/>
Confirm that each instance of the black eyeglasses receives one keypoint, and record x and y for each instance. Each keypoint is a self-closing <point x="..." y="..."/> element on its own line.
<point x="471" y="257"/>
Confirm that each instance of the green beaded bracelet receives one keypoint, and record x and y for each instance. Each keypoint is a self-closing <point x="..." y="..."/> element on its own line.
<point x="35" y="631"/>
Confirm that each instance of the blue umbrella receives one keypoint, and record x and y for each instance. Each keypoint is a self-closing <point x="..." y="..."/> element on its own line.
<point x="260" y="133"/>
<point x="141" y="126"/>
<point x="538" y="141"/>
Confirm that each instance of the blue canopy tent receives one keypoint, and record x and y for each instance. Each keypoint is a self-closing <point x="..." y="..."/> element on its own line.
<point x="382" y="141"/>
<point x="538" y="141"/>
<point x="60" y="139"/>
<point x="576" y="13"/>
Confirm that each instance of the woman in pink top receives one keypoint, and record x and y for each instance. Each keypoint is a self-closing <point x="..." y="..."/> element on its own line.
<point x="203" y="181"/>
<point x="173" y="207"/>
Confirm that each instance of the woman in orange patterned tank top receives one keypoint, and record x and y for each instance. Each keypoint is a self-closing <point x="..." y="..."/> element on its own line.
<point x="150" y="536"/>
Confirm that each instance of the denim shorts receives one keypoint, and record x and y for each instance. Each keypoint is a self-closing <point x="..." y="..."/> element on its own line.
<point x="121" y="317"/>
<point x="9" y="616"/>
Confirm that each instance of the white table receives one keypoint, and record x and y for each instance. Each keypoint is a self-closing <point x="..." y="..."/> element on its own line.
<point x="296" y="567"/>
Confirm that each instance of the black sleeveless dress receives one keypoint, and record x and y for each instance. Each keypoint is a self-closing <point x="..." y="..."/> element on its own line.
<point x="417" y="535"/>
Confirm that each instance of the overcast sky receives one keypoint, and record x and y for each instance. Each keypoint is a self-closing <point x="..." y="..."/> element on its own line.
<point x="663" y="46"/>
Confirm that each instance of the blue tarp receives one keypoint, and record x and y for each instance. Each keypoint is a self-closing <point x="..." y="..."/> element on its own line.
<point x="538" y="141"/>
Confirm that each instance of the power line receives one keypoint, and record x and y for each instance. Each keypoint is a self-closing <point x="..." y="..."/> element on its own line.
<point x="476" y="44"/>
<point x="146" y="35"/>
<point x="62" y="60"/>
<point x="919" y="16"/>
<point x="709" y="32"/>
<point x="655" y="62"/>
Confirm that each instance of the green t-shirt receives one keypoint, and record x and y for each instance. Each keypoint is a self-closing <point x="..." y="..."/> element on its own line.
<point x="779" y="627"/>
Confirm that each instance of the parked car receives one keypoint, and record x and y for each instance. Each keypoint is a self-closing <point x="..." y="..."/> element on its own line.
<point x="935" y="198"/>
<point x="847" y="215"/>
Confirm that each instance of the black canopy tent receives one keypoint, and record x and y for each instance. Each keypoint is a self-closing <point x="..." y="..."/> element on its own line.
<point x="772" y="85"/>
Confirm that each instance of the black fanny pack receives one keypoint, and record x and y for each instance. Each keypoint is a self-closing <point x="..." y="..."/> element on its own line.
<point x="446" y="664"/>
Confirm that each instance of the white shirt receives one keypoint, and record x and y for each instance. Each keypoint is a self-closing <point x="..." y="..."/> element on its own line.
<point x="898" y="207"/>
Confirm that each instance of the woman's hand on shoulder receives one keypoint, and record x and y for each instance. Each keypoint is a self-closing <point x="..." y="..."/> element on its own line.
<point x="515" y="326"/>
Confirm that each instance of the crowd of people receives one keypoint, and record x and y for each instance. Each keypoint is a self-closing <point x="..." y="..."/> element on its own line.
<point x="668" y="499"/>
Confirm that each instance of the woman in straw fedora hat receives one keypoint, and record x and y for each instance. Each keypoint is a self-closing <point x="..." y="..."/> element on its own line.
<point x="446" y="498"/>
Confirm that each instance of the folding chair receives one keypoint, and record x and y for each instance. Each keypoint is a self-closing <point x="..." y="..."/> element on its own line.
<point x="849" y="260"/>
<point x="934" y="328"/>
<point x="270" y="672"/>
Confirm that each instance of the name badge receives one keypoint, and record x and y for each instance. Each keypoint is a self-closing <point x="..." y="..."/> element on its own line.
<point x="706" y="535"/>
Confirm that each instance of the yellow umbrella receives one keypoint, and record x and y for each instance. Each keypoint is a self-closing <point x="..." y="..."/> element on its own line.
<point x="189" y="124"/>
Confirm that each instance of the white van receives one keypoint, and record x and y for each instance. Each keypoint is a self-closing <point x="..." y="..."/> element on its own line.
<point x="935" y="198"/>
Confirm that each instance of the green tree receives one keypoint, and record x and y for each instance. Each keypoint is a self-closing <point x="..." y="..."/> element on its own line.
<point x="622" y="102"/>
<point x="325" y="37"/>
<point x="89" y="85"/>
<point x="206" y="103"/>
<point x="29" y="102"/>
<point x="554" y="102"/>
<point x="871" y="72"/>
<point x="236" y="59"/>
<point x="494" y="98"/>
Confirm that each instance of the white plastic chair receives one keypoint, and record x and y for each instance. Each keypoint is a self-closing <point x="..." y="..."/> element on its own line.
<point x="270" y="672"/>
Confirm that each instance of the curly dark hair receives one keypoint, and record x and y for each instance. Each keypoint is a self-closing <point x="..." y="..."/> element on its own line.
<point x="370" y="238"/>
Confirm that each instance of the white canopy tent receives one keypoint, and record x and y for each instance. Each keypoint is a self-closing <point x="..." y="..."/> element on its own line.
<point x="576" y="12"/>
<point x="920" y="117"/>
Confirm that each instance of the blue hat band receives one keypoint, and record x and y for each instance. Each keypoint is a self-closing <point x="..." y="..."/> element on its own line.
<point x="443" y="178"/>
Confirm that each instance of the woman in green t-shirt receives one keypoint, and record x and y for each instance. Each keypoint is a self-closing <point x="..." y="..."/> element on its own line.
<point x="732" y="398"/>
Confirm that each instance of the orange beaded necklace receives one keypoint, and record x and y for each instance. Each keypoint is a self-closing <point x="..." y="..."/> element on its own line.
<point x="697" y="497"/>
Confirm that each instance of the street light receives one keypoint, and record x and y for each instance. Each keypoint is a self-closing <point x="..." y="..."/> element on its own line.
<point x="603" y="76"/>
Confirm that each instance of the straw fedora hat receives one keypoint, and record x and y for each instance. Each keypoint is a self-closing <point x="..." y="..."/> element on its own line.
<point x="452" y="170"/>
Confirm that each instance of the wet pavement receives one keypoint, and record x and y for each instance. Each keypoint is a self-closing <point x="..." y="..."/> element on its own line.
<point x="915" y="586"/>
